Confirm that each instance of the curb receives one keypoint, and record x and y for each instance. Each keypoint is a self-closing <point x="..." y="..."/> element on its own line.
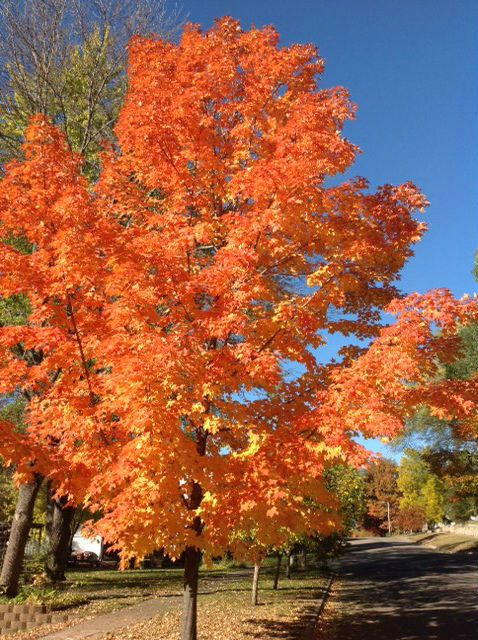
<point x="326" y="595"/>
<point x="325" y="598"/>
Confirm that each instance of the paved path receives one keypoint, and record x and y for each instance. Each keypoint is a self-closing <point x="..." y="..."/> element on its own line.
<point x="110" y="622"/>
<point x="393" y="590"/>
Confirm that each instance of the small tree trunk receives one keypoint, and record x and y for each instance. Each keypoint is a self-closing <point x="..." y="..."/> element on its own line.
<point x="303" y="558"/>
<point x="48" y="512"/>
<point x="255" y="584"/>
<point x="288" y="566"/>
<point x="277" y="573"/>
<point x="192" y="558"/>
<point x="22" y="522"/>
<point x="60" y="533"/>
<point x="192" y="555"/>
<point x="75" y="525"/>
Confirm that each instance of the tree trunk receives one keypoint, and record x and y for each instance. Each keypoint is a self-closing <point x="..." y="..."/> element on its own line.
<point x="22" y="522"/>
<point x="303" y="558"/>
<point x="75" y="525"/>
<point x="277" y="573"/>
<point x="255" y="584"/>
<point x="192" y="555"/>
<point x="288" y="566"/>
<point x="48" y="512"/>
<point x="60" y="533"/>
<point x="192" y="558"/>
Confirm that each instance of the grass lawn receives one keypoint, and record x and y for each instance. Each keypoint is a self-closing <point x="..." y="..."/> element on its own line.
<point x="225" y="612"/>
<point x="448" y="542"/>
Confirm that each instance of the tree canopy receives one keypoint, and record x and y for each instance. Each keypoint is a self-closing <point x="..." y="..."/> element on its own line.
<point x="168" y="297"/>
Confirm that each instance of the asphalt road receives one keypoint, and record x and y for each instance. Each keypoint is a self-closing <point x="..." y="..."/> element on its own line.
<point x="389" y="589"/>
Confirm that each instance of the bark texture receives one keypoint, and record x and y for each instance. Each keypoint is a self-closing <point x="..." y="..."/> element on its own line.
<point x="49" y="511"/>
<point x="59" y="543"/>
<point x="303" y="558"/>
<point x="255" y="584"/>
<point x="192" y="558"/>
<point x="277" y="571"/>
<point x="288" y="565"/>
<point x="21" y="525"/>
<point x="192" y="555"/>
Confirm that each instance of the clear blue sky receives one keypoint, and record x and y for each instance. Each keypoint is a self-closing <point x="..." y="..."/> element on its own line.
<point x="412" y="68"/>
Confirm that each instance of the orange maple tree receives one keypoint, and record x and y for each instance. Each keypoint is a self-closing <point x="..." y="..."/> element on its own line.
<point x="170" y="300"/>
<point x="402" y="369"/>
<point x="47" y="222"/>
<point x="45" y="201"/>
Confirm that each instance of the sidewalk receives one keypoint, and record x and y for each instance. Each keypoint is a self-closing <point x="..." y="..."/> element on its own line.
<point x="109" y="622"/>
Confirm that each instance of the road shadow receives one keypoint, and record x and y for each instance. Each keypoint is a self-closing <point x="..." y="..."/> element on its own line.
<point x="391" y="590"/>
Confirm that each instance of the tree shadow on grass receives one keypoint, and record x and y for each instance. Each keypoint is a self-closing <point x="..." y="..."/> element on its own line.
<point x="101" y="596"/>
<point x="225" y="592"/>
<point x="121" y="580"/>
<point x="300" y="628"/>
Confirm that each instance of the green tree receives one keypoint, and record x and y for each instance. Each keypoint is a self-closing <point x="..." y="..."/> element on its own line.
<point x="66" y="59"/>
<point x="434" y="499"/>
<point x="413" y="474"/>
<point x="348" y="485"/>
<point x="11" y="409"/>
<point x="420" y="487"/>
<point x="451" y="453"/>
<point x="457" y="467"/>
<point x="8" y="495"/>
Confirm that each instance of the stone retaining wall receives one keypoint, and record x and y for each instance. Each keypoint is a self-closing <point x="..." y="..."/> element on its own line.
<point x="461" y="529"/>
<point x="20" y="617"/>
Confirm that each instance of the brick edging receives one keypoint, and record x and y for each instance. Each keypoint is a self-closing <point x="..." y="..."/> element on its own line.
<point x="22" y="617"/>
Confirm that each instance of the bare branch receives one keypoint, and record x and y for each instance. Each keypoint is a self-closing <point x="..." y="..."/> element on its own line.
<point x="66" y="59"/>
